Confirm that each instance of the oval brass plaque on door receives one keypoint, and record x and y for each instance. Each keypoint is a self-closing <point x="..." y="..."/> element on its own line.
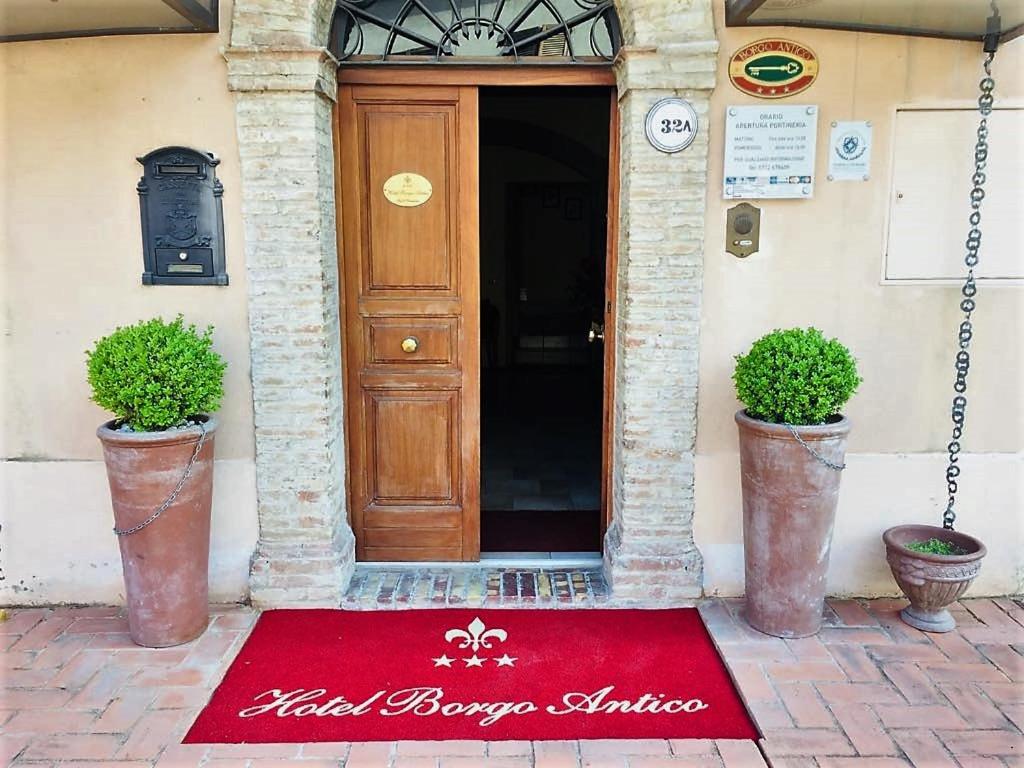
<point x="408" y="189"/>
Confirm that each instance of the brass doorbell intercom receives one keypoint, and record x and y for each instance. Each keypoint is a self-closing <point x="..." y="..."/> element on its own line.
<point x="743" y="230"/>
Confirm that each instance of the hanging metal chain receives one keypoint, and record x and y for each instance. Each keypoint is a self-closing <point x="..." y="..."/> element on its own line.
<point x="815" y="454"/>
<point x="968" y="303"/>
<point x="174" y="494"/>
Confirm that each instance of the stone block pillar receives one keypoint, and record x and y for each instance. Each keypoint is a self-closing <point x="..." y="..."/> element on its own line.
<point x="650" y="555"/>
<point x="285" y="89"/>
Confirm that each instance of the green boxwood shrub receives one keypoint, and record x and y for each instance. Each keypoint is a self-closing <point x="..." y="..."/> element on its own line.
<point x="155" y="375"/>
<point x="795" y="376"/>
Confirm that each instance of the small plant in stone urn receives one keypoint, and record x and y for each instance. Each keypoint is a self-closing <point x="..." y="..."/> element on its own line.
<point x="934" y="567"/>
<point x="160" y="380"/>
<point x="792" y="447"/>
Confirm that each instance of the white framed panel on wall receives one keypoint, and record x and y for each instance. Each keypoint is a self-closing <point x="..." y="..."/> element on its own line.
<point x="929" y="203"/>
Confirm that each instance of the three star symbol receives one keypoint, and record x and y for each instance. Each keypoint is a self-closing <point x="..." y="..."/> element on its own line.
<point x="475" y="661"/>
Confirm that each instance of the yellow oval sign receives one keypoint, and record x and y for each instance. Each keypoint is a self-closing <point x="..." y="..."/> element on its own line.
<point x="408" y="189"/>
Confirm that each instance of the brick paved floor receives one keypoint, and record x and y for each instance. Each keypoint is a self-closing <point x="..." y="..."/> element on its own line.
<point x="868" y="691"/>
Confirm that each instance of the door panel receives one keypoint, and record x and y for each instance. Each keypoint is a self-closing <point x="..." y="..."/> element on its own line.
<point x="611" y="266"/>
<point x="411" y="291"/>
<point x="414" y="437"/>
<point x="436" y="339"/>
<point x="397" y="538"/>
<point x="411" y="247"/>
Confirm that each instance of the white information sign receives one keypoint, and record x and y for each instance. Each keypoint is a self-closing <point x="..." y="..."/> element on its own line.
<point x="671" y="125"/>
<point x="769" y="151"/>
<point x="849" y="151"/>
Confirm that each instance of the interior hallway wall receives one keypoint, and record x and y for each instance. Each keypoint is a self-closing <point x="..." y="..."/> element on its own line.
<point x="820" y="264"/>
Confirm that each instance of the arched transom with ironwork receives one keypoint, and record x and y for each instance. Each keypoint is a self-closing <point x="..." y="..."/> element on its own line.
<point x="491" y="31"/>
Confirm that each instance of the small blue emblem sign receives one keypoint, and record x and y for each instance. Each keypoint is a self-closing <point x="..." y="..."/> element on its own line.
<point x="849" y="157"/>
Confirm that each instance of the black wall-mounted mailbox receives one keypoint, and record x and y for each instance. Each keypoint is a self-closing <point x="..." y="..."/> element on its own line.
<point x="180" y="199"/>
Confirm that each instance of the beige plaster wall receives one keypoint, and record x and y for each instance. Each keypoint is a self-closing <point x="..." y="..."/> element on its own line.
<point x="74" y="115"/>
<point x="820" y="264"/>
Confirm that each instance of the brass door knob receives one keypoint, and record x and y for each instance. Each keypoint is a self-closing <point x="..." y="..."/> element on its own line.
<point x="410" y="344"/>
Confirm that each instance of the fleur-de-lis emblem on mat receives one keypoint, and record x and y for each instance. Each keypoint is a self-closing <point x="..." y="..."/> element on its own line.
<point x="477" y="637"/>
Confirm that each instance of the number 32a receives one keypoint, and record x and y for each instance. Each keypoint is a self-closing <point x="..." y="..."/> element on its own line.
<point x="674" y="125"/>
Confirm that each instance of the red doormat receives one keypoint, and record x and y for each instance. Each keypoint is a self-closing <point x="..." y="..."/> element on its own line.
<point x="333" y="675"/>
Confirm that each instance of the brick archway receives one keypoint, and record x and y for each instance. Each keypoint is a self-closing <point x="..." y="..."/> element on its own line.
<point x="284" y="81"/>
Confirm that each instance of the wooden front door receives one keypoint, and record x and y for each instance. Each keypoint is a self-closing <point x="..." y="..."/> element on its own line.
<point x="410" y="268"/>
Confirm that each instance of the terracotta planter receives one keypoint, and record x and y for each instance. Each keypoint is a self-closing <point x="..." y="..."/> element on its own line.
<point x="931" y="582"/>
<point x="166" y="563"/>
<point x="789" y="506"/>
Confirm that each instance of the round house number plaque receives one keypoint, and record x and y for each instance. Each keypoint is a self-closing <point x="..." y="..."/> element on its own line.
<point x="671" y="125"/>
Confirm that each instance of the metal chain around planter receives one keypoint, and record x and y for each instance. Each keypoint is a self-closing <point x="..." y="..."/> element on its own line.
<point x="814" y="453"/>
<point x="968" y="304"/>
<point x="174" y="494"/>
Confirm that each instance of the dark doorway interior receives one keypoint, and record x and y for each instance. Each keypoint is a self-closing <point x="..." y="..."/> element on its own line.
<point x="543" y="203"/>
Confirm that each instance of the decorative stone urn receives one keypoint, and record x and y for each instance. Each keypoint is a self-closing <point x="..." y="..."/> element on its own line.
<point x="930" y="581"/>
